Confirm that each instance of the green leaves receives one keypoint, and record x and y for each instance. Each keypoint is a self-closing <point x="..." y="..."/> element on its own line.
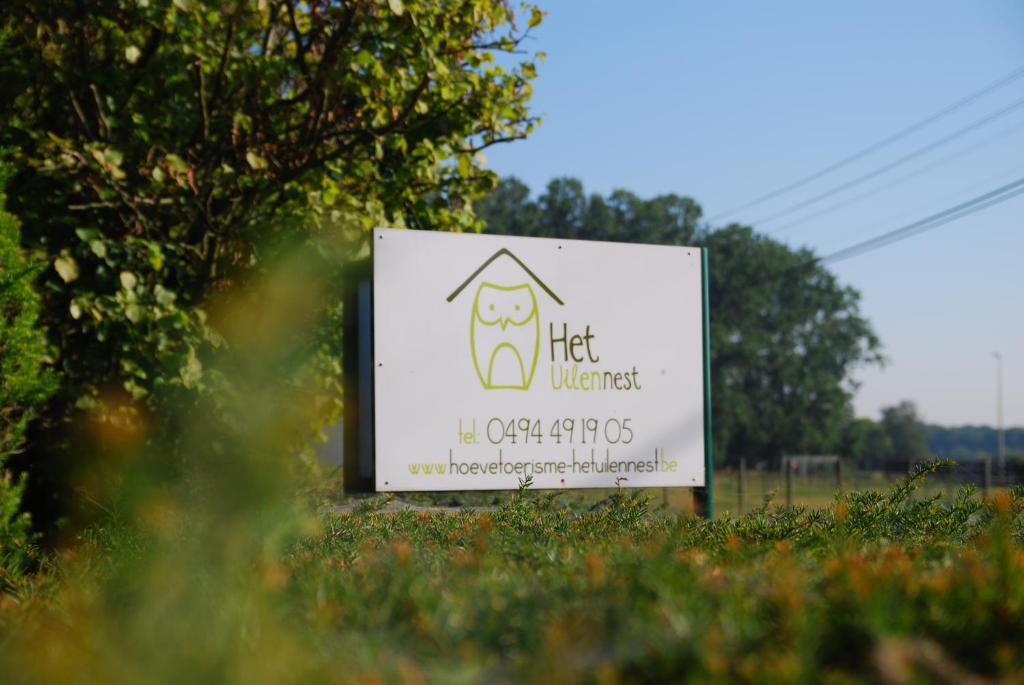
<point x="192" y="370"/>
<point x="465" y="166"/>
<point x="110" y="160"/>
<point x="134" y="313"/>
<point x="255" y="161"/>
<point x="364" y="58"/>
<point x="176" y="163"/>
<point x="164" y="296"/>
<point x="66" y="267"/>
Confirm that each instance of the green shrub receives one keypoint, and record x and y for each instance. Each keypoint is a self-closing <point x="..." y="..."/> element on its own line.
<point x="216" y="133"/>
<point x="24" y="384"/>
<point x="217" y="136"/>
<point x="878" y="587"/>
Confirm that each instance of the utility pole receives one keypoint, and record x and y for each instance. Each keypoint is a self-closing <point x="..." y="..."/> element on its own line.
<point x="1001" y="436"/>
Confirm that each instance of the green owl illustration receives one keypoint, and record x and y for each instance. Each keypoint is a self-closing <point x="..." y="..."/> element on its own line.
<point x="504" y="334"/>
<point x="504" y="324"/>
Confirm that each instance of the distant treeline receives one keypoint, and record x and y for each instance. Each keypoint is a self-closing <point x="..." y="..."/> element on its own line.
<point x="899" y="437"/>
<point x="971" y="442"/>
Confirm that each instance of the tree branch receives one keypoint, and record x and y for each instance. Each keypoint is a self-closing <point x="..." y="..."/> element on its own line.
<point x="80" y="113"/>
<point x="300" y="48"/>
<point x="100" y="116"/>
<point x="204" y="113"/>
<point x="218" y="79"/>
<point x="493" y="141"/>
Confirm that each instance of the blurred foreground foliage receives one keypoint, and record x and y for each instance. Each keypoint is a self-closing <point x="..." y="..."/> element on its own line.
<point x="25" y="384"/>
<point x="878" y="587"/>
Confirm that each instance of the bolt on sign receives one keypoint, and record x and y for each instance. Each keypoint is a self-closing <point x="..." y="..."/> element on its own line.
<point x="575" y="363"/>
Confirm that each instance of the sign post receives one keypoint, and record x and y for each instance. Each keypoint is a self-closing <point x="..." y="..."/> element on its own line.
<point x="704" y="499"/>
<point x="357" y="369"/>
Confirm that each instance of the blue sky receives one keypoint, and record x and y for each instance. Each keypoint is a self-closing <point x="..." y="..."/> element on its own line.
<point x="727" y="101"/>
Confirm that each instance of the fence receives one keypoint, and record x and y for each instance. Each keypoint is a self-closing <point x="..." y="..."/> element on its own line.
<point x="815" y="481"/>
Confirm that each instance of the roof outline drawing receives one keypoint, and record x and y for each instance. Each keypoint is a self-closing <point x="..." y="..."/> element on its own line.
<point x="507" y="253"/>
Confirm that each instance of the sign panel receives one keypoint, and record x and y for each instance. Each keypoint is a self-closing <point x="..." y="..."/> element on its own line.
<point x="574" y="363"/>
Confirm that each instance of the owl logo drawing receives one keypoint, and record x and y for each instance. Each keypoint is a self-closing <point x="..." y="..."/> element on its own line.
<point x="504" y="326"/>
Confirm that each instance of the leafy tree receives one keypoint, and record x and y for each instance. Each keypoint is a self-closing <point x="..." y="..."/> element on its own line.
<point x="165" y="144"/>
<point x="565" y="211"/>
<point x="168" y="148"/>
<point x="785" y="333"/>
<point x="897" y="440"/>
<point x="24" y="384"/>
<point x="785" y="336"/>
<point x="509" y="209"/>
<point x="564" y="204"/>
<point x="878" y="447"/>
<point x="906" y="433"/>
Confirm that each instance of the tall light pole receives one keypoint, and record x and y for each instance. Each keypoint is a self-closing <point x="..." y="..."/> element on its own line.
<point x="1001" y="437"/>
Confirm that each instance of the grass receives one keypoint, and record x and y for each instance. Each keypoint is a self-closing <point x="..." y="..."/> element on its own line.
<point x="816" y="490"/>
<point x="812" y="490"/>
<point x="885" y="586"/>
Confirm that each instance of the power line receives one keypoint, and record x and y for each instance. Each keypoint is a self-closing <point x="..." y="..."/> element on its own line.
<point x="993" y="86"/>
<point x="906" y="177"/>
<point x="892" y="165"/>
<point x="976" y="204"/>
<point x="984" y="201"/>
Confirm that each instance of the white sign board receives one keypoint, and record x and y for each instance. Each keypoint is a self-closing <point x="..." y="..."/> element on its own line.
<point x="576" y="363"/>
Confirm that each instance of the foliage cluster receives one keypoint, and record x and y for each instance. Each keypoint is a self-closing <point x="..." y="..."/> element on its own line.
<point x="185" y="131"/>
<point x="24" y="384"/>
<point x="899" y="438"/>
<point x="877" y="587"/>
<point x="564" y="210"/>
<point x="785" y="335"/>
<point x="167" y="151"/>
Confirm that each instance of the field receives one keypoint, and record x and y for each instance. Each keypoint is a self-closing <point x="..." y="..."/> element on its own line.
<point x="886" y="586"/>
<point x="818" y="489"/>
<point x="760" y="486"/>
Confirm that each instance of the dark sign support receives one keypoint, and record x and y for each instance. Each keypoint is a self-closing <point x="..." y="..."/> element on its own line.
<point x="703" y="498"/>
<point x="357" y="371"/>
